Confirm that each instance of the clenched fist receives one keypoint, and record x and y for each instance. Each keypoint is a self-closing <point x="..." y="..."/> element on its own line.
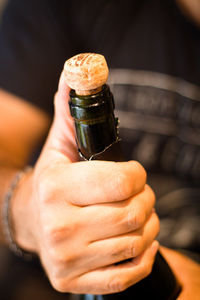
<point x="82" y="218"/>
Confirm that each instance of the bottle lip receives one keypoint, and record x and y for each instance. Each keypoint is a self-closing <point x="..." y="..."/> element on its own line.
<point x="87" y="100"/>
<point x="87" y="108"/>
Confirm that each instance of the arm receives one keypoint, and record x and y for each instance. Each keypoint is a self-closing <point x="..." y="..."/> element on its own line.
<point x="190" y="8"/>
<point x="22" y="127"/>
<point x="186" y="271"/>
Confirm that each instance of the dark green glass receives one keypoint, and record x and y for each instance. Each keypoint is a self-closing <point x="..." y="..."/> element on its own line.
<point x="96" y="125"/>
<point x="97" y="138"/>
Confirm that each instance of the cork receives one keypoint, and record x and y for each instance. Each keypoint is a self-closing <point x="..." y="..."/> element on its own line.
<point x="86" y="73"/>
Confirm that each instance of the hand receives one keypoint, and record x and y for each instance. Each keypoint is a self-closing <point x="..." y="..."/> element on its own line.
<point x="83" y="217"/>
<point x="187" y="273"/>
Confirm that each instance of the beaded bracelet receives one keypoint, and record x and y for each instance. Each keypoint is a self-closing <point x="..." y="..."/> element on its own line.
<point x="6" y="219"/>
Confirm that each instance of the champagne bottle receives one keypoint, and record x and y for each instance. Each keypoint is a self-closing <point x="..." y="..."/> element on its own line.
<point x="92" y="107"/>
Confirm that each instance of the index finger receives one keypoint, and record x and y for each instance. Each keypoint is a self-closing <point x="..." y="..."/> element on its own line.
<point x="92" y="182"/>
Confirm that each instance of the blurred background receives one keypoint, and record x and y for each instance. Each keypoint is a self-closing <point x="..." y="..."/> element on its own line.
<point x="2" y="3"/>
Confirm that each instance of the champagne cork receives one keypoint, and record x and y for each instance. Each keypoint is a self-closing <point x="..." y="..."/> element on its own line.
<point x="86" y="73"/>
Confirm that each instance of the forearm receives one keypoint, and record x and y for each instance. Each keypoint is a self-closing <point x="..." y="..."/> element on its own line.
<point x="22" y="128"/>
<point x="187" y="272"/>
<point x="191" y="9"/>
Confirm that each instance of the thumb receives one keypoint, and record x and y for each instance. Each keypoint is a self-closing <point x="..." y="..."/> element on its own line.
<point x="62" y="133"/>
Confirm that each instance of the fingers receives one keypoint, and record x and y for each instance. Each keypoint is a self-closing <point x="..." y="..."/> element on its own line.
<point x="88" y="183"/>
<point x="62" y="133"/>
<point x="126" y="246"/>
<point x="91" y="202"/>
<point x="104" y="252"/>
<point x="112" y="279"/>
<point x="114" y="219"/>
<point x="62" y="98"/>
<point x="61" y="238"/>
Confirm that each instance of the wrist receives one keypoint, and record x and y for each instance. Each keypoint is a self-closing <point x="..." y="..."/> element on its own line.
<point x="19" y="213"/>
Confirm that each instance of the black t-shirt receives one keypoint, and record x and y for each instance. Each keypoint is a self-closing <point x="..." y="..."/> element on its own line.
<point x="153" y="54"/>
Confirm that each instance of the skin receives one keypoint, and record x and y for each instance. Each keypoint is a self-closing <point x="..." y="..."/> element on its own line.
<point x="65" y="203"/>
<point x="110" y="224"/>
<point x="187" y="272"/>
<point x="191" y="9"/>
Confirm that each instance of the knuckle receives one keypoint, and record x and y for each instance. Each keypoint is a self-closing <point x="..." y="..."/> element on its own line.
<point x="146" y="269"/>
<point x="59" y="284"/>
<point x="127" y="186"/>
<point x="141" y="171"/>
<point x="124" y="185"/>
<point x="117" y="285"/>
<point x="55" y="231"/>
<point x="54" y="234"/>
<point x="130" y="250"/>
<point x="154" y="225"/>
<point x="151" y="194"/>
<point x="134" y="220"/>
<point x="139" y="219"/>
<point x="60" y="257"/>
<point x="59" y="254"/>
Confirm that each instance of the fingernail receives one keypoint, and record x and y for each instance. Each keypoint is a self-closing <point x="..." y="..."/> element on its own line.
<point x="154" y="247"/>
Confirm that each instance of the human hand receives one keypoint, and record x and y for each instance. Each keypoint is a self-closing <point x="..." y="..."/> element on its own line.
<point x="83" y="217"/>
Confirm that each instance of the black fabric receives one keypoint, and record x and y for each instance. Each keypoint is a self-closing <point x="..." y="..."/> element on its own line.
<point x="38" y="36"/>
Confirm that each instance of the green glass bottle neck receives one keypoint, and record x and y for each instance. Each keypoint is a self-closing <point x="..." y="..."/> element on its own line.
<point x="95" y="123"/>
<point x="91" y="107"/>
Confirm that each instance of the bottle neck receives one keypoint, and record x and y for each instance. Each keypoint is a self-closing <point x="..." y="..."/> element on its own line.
<point x="95" y="123"/>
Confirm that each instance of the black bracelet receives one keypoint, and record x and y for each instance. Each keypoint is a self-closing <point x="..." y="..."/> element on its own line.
<point x="6" y="219"/>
